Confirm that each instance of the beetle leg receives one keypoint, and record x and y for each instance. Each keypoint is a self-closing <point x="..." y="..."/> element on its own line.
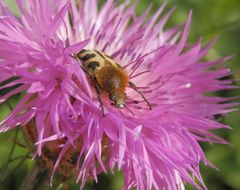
<point x="98" y="90"/>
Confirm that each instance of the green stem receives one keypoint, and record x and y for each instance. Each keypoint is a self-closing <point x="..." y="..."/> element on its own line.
<point x="5" y="166"/>
<point x="37" y="179"/>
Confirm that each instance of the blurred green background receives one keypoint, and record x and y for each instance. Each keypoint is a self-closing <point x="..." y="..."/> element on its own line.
<point x="210" y="18"/>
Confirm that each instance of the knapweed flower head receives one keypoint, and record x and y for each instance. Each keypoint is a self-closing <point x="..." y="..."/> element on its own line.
<point x="156" y="148"/>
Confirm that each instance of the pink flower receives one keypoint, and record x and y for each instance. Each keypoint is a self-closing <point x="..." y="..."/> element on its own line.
<point x="156" y="148"/>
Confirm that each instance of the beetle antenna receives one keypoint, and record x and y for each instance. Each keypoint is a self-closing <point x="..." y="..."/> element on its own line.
<point x="134" y="87"/>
